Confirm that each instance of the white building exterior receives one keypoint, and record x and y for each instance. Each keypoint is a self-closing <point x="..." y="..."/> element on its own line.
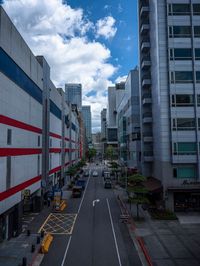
<point x="35" y="141"/>
<point x="169" y="41"/>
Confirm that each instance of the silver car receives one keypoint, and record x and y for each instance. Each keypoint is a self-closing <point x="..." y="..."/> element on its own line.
<point x="95" y="173"/>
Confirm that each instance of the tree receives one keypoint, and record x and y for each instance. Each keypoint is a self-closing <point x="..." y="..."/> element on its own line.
<point x="71" y="171"/>
<point x="110" y="153"/>
<point x="137" y="191"/>
<point x="91" y="153"/>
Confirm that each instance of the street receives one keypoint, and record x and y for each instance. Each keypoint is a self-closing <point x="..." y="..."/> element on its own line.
<point x="97" y="237"/>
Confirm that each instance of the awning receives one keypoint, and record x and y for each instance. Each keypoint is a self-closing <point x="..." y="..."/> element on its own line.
<point x="153" y="185"/>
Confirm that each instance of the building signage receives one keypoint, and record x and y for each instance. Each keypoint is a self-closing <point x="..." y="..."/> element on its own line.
<point x="186" y="182"/>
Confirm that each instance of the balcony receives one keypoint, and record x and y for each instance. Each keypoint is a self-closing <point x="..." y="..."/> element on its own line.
<point x="144" y="29"/>
<point x="146" y="81"/>
<point x="146" y="99"/>
<point x="147" y="117"/>
<point x="148" y="156"/>
<point x="147" y="137"/>
<point x="144" y="11"/>
<point x="145" y="46"/>
<point x="135" y="136"/>
<point x="146" y="63"/>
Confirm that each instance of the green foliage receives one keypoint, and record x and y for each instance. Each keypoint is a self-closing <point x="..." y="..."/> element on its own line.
<point x="91" y="153"/>
<point x="163" y="215"/>
<point x="110" y="153"/>
<point x="137" y="191"/>
<point x="72" y="170"/>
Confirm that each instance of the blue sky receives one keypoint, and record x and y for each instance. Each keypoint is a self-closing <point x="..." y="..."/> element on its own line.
<point x="92" y="42"/>
<point x="123" y="45"/>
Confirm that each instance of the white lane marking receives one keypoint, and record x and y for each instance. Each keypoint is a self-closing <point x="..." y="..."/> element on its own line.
<point x="67" y="248"/>
<point x="113" y="230"/>
<point x="83" y="196"/>
<point x="94" y="201"/>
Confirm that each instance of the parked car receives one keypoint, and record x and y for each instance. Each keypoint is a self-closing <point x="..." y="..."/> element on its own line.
<point x="95" y="173"/>
<point x="86" y="174"/>
<point x="107" y="183"/>
<point x="81" y="183"/>
<point x="77" y="192"/>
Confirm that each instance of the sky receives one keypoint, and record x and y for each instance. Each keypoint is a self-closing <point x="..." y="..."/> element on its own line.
<point x="93" y="42"/>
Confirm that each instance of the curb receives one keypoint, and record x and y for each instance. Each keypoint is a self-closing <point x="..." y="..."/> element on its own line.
<point x="140" y="241"/>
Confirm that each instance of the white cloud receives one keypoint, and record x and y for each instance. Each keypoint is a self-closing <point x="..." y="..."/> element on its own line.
<point x="106" y="27"/>
<point x="58" y="32"/>
<point x="121" y="79"/>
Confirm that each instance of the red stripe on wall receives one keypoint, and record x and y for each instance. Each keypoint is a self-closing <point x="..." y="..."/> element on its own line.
<point x="18" y="151"/>
<point x="55" y="170"/>
<point x="54" y="135"/>
<point x="8" y="193"/>
<point x="55" y="150"/>
<point x="15" y="123"/>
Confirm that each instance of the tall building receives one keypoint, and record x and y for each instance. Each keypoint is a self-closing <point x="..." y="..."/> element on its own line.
<point x="103" y="123"/>
<point x="169" y="43"/>
<point x="111" y="111"/>
<point x="87" y="119"/>
<point x="73" y="94"/>
<point x="128" y="122"/>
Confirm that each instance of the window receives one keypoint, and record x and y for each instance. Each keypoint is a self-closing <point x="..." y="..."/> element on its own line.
<point x="184" y="124"/>
<point x="197" y="31"/>
<point x="184" y="172"/>
<point x="179" y="9"/>
<point x="50" y="142"/>
<point x="179" y="31"/>
<point x="9" y="136"/>
<point x="8" y="172"/>
<point x="198" y="76"/>
<point x="185" y="148"/>
<point x="197" y="53"/>
<point x="182" y="77"/>
<point x="182" y="100"/>
<point x="196" y="9"/>
<point x="180" y="54"/>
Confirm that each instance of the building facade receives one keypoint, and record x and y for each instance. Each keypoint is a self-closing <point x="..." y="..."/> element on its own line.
<point x="87" y="120"/>
<point x="36" y="141"/>
<point x="128" y="119"/>
<point x="73" y="94"/>
<point x="169" y="43"/>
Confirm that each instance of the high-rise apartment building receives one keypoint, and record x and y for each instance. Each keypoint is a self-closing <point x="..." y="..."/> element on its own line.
<point x="128" y="122"/>
<point x="73" y="94"/>
<point x="103" y="123"/>
<point x="169" y="53"/>
<point x="87" y="120"/>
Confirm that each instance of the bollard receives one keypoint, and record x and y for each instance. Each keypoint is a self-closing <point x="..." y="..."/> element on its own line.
<point x="24" y="261"/>
<point x="42" y="234"/>
<point x="28" y="232"/>
<point x="33" y="248"/>
<point x="38" y="239"/>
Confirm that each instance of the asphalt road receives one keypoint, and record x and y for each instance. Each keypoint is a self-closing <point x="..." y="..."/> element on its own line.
<point x="98" y="237"/>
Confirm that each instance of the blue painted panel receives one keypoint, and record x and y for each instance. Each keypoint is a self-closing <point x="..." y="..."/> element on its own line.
<point x="55" y="110"/>
<point x="10" y="69"/>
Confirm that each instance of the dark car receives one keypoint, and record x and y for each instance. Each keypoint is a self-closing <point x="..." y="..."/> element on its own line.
<point x="77" y="192"/>
<point x="107" y="183"/>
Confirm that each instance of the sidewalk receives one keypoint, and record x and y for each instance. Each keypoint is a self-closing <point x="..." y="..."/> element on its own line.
<point x="168" y="243"/>
<point x="12" y="251"/>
